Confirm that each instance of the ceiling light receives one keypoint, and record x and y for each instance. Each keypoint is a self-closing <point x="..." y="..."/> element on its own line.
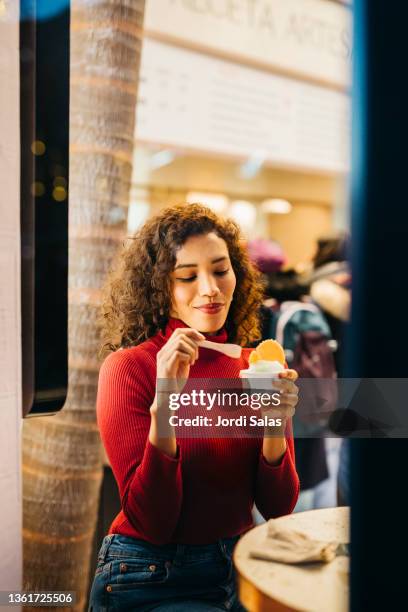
<point x="161" y="158"/>
<point x="276" y="206"/>
<point x="243" y="213"/>
<point x="252" y="165"/>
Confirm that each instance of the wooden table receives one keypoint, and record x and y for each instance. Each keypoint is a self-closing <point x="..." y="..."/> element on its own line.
<point x="266" y="586"/>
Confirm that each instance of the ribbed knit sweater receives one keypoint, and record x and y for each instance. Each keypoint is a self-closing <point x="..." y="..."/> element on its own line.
<point x="207" y="492"/>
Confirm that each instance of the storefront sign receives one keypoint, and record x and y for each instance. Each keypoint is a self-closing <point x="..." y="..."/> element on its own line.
<point x="199" y="103"/>
<point x="309" y="39"/>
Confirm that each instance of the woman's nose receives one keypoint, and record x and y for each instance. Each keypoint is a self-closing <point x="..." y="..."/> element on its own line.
<point x="208" y="286"/>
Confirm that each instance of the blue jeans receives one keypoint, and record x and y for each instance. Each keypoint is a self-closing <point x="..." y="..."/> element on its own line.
<point x="134" y="575"/>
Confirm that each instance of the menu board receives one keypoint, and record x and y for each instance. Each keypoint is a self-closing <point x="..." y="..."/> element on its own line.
<point x="193" y="101"/>
<point x="307" y="39"/>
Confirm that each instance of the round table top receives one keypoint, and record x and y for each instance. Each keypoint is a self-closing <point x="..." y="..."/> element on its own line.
<point x="313" y="587"/>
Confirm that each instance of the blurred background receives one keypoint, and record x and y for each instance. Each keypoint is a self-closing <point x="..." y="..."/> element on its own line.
<point x="245" y="106"/>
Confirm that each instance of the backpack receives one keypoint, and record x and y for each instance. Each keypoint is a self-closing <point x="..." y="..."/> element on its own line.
<point x="302" y="330"/>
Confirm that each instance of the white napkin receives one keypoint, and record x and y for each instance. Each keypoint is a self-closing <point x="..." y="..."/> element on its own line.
<point x="290" y="546"/>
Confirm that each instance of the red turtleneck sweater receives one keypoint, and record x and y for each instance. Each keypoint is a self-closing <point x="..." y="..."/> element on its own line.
<point x="208" y="491"/>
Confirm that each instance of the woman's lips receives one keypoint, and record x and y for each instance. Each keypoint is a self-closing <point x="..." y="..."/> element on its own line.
<point x="210" y="308"/>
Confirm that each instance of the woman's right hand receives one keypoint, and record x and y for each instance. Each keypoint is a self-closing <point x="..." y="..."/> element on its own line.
<point x="173" y="367"/>
<point x="176" y="357"/>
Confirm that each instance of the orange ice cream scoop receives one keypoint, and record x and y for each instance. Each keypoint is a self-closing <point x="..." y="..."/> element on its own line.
<point x="253" y="357"/>
<point x="269" y="350"/>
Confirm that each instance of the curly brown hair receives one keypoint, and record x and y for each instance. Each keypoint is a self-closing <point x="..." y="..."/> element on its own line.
<point x="137" y="295"/>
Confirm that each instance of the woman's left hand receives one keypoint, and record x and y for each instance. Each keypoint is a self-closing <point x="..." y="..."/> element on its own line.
<point x="289" y="396"/>
<point x="274" y="443"/>
<point x="289" y="392"/>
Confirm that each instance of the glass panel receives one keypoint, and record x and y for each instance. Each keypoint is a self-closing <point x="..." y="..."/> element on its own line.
<point x="44" y="65"/>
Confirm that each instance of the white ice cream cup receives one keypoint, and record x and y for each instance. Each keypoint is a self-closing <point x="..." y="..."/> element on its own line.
<point x="262" y="374"/>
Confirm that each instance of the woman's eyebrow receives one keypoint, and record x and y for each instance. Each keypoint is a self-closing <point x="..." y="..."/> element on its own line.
<point x="192" y="265"/>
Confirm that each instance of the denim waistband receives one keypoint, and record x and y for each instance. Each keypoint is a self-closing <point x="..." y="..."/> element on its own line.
<point x="116" y="545"/>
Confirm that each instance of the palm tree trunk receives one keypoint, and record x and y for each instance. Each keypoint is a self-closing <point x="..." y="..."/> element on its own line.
<point x="62" y="458"/>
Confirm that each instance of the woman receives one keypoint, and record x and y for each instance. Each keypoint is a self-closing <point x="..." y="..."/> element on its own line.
<point x="185" y="501"/>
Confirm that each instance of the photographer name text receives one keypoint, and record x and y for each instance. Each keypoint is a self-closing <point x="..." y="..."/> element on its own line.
<point x="241" y="421"/>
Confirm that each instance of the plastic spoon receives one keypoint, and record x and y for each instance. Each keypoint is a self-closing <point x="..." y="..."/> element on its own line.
<point x="231" y="350"/>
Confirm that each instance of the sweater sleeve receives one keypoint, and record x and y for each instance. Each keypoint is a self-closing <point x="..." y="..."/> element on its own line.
<point x="149" y="481"/>
<point x="277" y="486"/>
